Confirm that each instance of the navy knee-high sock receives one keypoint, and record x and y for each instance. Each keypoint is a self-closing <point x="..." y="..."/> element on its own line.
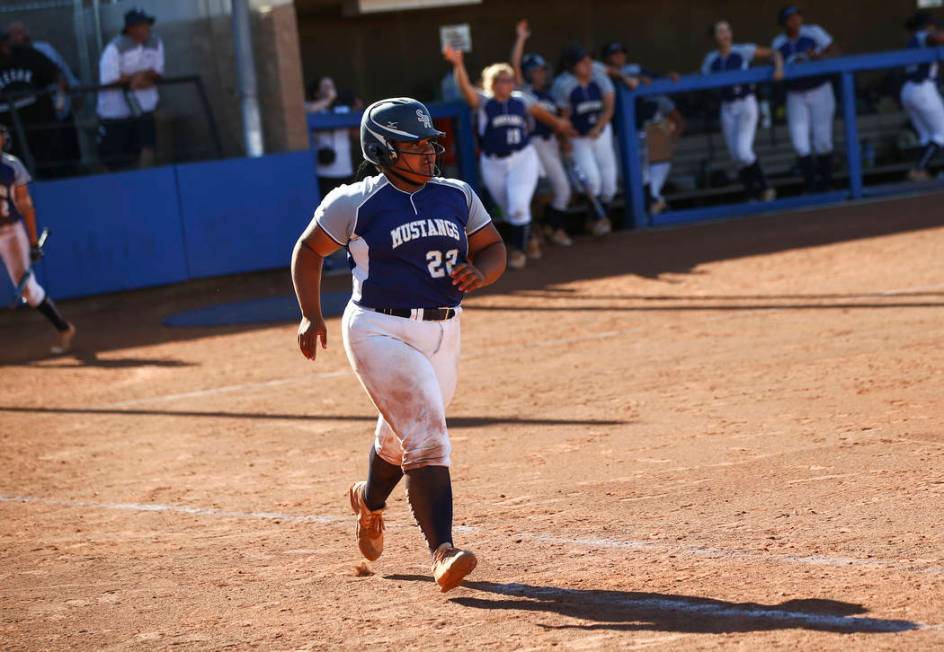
<point x="519" y="236"/>
<point x="429" y="490"/>
<point x="49" y="310"/>
<point x="927" y="154"/>
<point x="382" y="477"/>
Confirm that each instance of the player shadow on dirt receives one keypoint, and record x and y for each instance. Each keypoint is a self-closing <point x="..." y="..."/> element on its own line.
<point x="454" y="422"/>
<point x="639" y="611"/>
<point x="83" y="358"/>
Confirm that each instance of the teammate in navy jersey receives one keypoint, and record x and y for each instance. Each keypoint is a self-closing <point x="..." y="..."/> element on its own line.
<point x="920" y="95"/>
<point x="416" y="243"/>
<point x="19" y="245"/>
<point x="585" y="96"/>
<point x="533" y="76"/>
<point x="739" y="105"/>
<point x="811" y="103"/>
<point x="509" y="162"/>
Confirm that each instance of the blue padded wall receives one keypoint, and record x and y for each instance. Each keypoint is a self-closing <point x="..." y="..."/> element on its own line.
<point x="111" y="232"/>
<point x="245" y="214"/>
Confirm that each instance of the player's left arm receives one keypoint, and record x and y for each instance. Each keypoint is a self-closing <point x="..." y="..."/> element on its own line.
<point x="522" y="34"/>
<point x="560" y="125"/>
<point x="609" y="104"/>
<point x="825" y="46"/>
<point x="488" y="258"/>
<point x="24" y="204"/>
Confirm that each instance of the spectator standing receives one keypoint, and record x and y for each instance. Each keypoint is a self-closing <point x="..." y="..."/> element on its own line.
<point x="335" y="163"/>
<point x="132" y="62"/>
<point x="811" y="103"/>
<point x="24" y="70"/>
<point x="920" y="95"/>
<point x="68" y="134"/>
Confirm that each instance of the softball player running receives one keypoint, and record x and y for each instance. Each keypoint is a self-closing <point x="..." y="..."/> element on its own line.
<point x="739" y="106"/>
<point x="509" y="163"/>
<point x="920" y="95"/>
<point x="532" y="74"/>
<point x="811" y="104"/>
<point x="586" y="97"/>
<point x="416" y="244"/>
<point x="19" y="243"/>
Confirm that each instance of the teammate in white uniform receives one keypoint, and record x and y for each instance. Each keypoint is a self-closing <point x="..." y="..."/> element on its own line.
<point x="19" y="242"/>
<point x="416" y="243"/>
<point x="586" y="97"/>
<point x="920" y="95"/>
<point x="811" y="104"/>
<point x="533" y="76"/>
<point x="509" y="161"/>
<point x="739" y="106"/>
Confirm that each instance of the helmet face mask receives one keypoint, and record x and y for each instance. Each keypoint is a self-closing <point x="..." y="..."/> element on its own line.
<point x="390" y="124"/>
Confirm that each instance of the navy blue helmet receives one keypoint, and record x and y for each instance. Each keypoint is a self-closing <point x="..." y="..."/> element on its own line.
<point x="391" y="121"/>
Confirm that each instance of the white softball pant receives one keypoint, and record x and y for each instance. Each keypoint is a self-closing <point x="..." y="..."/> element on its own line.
<point x="739" y="126"/>
<point x="926" y="110"/>
<point x="597" y="158"/>
<point x="549" y="153"/>
<point x="812" y="112"/>
<point x="409" y="368"/>
<point x="15" y="249"/>
<point x="511" y="182"/>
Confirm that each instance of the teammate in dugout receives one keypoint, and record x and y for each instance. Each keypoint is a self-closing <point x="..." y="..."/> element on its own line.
<point x="533" y="76"/>
<point x="739" y="105"/>
<point x="19" y="241"/>
<point x="509" y="162"/>
<point x="920" y="95"/>
<point x="416" y="243"/>
<point x="811" y="103"/>
<point x="587" y="98"/>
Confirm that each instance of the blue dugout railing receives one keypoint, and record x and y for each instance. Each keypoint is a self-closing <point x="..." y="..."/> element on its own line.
<point x="457" y="111"/>
<point x="846" y="67"/>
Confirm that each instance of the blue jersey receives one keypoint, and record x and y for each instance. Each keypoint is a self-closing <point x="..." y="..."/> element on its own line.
<point x="402" y="246"/>
<point x="12" y="174"/>
<point x="739" y="58"/>
<point x="546" y="102"/>
<point x="922" y="71"/>
<point x="503" y="126"/>
<point x="811" y="39"/>
<point x="585" y="102"/>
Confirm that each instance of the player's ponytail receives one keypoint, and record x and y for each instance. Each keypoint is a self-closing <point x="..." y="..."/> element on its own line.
<point x="364" y="170"/>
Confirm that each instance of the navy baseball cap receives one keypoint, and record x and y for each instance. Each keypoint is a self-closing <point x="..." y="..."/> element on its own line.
<point x="785" y="13"/>
<point x="612" y="48"/>
<point x="137" y="16"/>
<point x="573" y="54"/>
<point x="532" y="61"/>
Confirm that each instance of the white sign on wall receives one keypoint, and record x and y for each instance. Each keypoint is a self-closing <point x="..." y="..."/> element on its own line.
<point x="458" y="37"/>
<point x="930" y="4"/>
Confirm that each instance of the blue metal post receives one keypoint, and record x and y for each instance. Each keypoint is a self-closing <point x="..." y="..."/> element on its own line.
<point x="635" y="209"/>
<point x="853" y="154"/>
<point x="465" y="140"/>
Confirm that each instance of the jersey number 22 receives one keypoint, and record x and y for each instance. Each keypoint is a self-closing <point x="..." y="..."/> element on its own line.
<point x="435" y="260"/>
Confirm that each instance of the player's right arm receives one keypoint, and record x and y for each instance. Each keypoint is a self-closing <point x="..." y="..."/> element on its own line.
<point x="311" y="249"/>
<point x="522" y="33"/>
<point x="469" y="92"/>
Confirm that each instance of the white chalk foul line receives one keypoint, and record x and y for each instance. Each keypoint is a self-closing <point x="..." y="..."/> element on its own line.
<point x="179" y="509"/>
<point x="606" y="599"/>
<point x="540" y="538"/>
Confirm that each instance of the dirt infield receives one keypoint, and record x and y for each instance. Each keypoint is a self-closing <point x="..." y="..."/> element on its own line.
<point x="723" y="436"/>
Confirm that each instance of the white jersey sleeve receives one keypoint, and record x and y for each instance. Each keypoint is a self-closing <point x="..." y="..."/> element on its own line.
<point x="602" y="79"/>
<point x="819" y="35"/>
<point x="708" y="62"/>
<point x="747" y="51"/>
<point x="527" y="98"/>
<point x="21" y="175"/>
<point x="337" y="212"/>
<point x="478" y="216"/>
<point x="563" y="86"/>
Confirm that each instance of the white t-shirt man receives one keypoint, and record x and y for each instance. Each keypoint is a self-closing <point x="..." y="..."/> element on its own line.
<point x="125" y="56"/>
